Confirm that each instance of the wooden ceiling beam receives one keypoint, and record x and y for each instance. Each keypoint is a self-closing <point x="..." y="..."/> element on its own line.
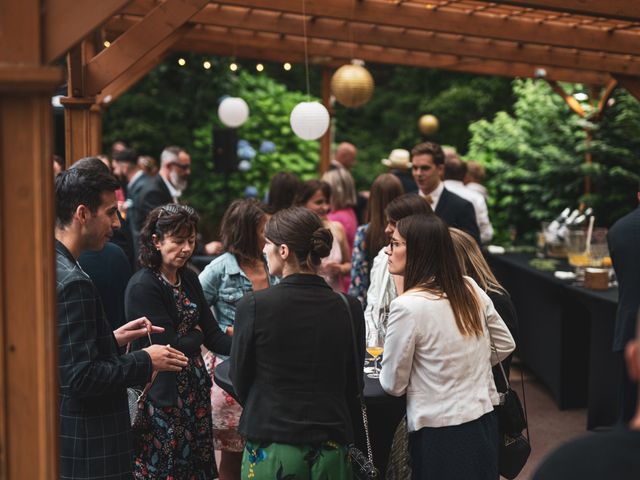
<point x="158" y="25"/>
<point x="199" y="39"/>
<point x="621" y="9"/>
<point x="67" y="22"/>
<point x="630" y="84"/>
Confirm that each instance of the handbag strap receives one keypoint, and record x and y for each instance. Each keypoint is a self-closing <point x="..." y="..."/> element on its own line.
<point x="506" y="380"/>
<point x="359" y="381"/>
<point x="147" y="387"/>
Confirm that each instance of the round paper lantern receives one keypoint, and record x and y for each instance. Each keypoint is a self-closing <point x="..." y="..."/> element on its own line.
<point x="233" y="111"/>
<point x="309" y="120"/>
<point x="352" y="85"/>
<point x="428" y="124"/>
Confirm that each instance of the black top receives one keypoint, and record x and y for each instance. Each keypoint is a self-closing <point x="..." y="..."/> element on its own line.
<point x="614" y="455"/>
<point x="110" y="272"/>
<point x="624" y="241"/>
<point x="153" y="194"/>
<point x="148" y="296"/>
<point x="292" y="363"/>
<point x="504" y="306"/>
<point x="458" y="213"/>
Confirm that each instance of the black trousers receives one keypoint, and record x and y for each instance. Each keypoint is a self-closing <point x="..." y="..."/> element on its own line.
<point x="460" y="452"/>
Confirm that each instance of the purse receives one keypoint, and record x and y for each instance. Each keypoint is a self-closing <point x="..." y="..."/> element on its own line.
<point x="514" y="448"/>
<point x="363" y="466"/>
<point x="137" y="396"/>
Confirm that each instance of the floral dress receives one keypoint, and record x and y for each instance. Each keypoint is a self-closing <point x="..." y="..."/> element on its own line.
<point x="360" y="267"/>
<point x="176" y="442"/>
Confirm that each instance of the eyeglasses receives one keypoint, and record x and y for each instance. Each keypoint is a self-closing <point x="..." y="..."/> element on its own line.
<point x="393" y="244"/>
<point x="174" y="209"/>
<point x="182" y="166"/>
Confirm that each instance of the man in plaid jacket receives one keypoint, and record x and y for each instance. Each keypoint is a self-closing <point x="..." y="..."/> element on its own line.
<point x="95" y="432"/>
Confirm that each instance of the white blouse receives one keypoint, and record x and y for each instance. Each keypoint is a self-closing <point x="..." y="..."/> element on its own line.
<point x="446" y="376"/>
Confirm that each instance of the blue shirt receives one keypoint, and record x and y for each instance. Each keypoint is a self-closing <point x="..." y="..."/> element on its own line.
<point x="224" y="283"/>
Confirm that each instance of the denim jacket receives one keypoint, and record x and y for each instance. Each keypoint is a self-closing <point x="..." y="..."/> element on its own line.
<point x="224" y="283"/>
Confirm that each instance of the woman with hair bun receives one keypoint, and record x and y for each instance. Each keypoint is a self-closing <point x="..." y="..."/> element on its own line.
<point x="292" y="360"/>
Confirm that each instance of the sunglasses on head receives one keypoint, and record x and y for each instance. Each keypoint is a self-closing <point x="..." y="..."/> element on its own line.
<point x="174" y="208"/>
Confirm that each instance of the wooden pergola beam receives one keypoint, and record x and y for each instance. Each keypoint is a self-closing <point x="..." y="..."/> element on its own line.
<point x="412" y="39"/>
<point x="621" y="9"/>
<point x="480" y="24"/>
<point x="202" y="38"/>
<point x="630" y="84"/>
<point x="67" y="22"/>
<point x="142" y="37"/>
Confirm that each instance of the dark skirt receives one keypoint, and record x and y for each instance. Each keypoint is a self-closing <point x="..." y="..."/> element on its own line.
<point x="459" y="452"/>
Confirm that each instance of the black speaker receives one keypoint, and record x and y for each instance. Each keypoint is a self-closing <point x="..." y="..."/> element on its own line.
<point x="225" y="150"/>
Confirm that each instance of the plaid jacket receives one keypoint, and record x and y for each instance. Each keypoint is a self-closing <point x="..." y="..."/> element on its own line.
<point x="95" y="432"/>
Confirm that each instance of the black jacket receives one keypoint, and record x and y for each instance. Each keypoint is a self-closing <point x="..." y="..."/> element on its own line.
<point x="95" y="430"/>
<point x="458" y="213"/>
<point x="153" y="194"/>
<point x="624" y="247"/>
<point x="147" y="296"/>
<point x="292" y="363"/>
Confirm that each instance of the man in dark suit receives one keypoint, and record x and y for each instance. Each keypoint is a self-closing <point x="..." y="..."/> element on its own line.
<point x="427" y="167"/>
<point x="95" y="432"/>
<point x="624" y="247"/>
<point x="167" y="186"/>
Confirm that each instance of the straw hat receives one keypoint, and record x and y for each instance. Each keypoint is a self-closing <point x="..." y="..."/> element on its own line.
<point x="398" y="158"/>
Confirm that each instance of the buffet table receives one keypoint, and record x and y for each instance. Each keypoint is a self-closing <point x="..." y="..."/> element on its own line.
<point x="565" y="335"/>
<point x="384" y="413"/>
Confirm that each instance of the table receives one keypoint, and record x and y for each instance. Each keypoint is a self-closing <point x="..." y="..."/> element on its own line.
<point x="384" y="413"/>
<point x="566" y="335"/>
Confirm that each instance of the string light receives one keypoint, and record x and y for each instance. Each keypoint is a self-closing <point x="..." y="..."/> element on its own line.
<point x="206" y="64"/>
<point x="287" y="66"/>
<point x="233" y="67"/>
<point x="182" y="62"/>
<point x="259" y="67"/>
<point x="106" y="44"/>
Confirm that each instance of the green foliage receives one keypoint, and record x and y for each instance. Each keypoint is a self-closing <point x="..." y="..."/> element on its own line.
<point x="535" y="159"/>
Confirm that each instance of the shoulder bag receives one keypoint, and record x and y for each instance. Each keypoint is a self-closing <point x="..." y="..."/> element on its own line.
<point x="363" y="466"/>
<point x="137" y="396"/>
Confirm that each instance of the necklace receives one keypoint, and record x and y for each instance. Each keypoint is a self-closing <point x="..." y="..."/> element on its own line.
<point x="174" y="285"/>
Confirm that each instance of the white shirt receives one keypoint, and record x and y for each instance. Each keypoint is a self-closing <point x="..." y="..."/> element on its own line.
<point x="479" y="206"/>
<point x="175" y="193"/>
<point x="446" y="376"/>
<point x="380" y="293"/>
<point x="478" y="187"/>
<point x="435" y="195"/>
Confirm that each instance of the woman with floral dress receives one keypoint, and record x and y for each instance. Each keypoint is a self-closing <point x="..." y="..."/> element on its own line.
<point x="240" y="270"/>
<point x="173" y="430"/>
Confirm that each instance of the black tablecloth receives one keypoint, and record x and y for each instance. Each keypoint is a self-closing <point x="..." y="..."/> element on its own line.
<point x="566" y="335"/>
<point x="384" y="412"/>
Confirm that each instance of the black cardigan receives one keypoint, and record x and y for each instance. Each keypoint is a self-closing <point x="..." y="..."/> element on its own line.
<point x="147" y="296"/>
<point x="292" y="363"/>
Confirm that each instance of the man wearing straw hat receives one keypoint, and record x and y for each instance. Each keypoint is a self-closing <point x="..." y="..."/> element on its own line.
<point x="399" y="163"/>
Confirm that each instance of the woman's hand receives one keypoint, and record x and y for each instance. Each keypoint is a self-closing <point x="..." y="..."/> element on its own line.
<point x="331" y="268"/>
<point x="135" y="329"/>
<point x="166" y="359"/>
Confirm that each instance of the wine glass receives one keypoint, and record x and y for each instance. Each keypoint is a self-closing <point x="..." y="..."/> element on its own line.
<point x="375" y="347"/>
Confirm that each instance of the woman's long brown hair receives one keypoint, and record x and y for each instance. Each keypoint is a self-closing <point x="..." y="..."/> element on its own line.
<point x="384" y="189"/>
<point x="432" y="265"/>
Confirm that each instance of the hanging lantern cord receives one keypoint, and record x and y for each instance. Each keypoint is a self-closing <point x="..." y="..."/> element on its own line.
<point x="306" y="52"/>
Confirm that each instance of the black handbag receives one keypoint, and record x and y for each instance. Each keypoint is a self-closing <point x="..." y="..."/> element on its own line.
<point x="137" y="396"/>
<point x="514" y="448"/>
<point x="363" y="466"/>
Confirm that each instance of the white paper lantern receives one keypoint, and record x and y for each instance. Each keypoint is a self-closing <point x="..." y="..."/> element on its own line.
<point x="233" y="111"/>
<point x="309" y="120"/>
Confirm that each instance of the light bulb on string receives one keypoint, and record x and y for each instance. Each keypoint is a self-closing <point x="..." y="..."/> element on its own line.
<point x="206" y="64"/>
<point x="182" y="62"/>
<point x="287" y="66"/>
<point x="259" y="67"/>
<point x="106" y="44"/>
<point x="233" y="67"/>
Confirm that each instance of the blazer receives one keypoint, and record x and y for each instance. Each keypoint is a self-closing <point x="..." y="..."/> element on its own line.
<point x="292" y="363"/>
<point x="153" y="194"/>
<point x="458" y="213"/>
<point x="95" y="430"/>
<point x="133" y="191"/>
<point x="148" y="296"/>
<point x="624" y="239"/>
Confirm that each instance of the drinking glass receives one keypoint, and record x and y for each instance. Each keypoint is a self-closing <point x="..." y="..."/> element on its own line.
<point x="375" y="347"/>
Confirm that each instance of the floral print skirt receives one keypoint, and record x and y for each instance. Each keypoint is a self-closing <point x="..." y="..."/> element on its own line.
<point x="280" y="461"/>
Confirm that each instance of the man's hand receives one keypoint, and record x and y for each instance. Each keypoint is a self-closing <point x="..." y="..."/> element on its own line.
<point x="135" y="329"/>
<point x="213" y="248"/>
<point x="166" y="359"/>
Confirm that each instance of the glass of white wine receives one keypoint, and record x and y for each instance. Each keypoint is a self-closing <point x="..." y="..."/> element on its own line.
<point x="375" y="347"/>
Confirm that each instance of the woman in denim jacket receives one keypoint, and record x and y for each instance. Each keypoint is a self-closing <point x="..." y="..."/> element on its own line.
<point x="225" y="280"/>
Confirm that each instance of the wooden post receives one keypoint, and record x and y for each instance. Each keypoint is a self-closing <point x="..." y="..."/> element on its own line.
<point x="325" y="141"/>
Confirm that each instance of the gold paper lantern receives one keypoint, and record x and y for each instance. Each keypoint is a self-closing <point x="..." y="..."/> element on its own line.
<point x="428" y="124"/>
<point x="352" y="85"/>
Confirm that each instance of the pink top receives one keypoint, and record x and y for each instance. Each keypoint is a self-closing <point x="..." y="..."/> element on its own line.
<point x="347" y="217"/>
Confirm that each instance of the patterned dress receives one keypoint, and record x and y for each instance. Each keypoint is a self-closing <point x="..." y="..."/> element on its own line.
<point x="176" y="442"/>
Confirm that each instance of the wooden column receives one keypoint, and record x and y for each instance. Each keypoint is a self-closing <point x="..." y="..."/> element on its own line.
<point x="325" y="141"/>
<point x="82" y="128"/>
<point x="28" y="335"/>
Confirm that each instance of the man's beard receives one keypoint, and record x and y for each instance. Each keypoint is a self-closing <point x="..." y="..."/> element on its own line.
<point x="179" y="182"/>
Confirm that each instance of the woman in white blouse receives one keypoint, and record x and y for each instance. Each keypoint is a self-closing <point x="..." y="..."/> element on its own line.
<point x="438" y="352"/>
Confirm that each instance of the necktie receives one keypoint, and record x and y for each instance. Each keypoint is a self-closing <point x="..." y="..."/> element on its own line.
<point x="429" y="199"/>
